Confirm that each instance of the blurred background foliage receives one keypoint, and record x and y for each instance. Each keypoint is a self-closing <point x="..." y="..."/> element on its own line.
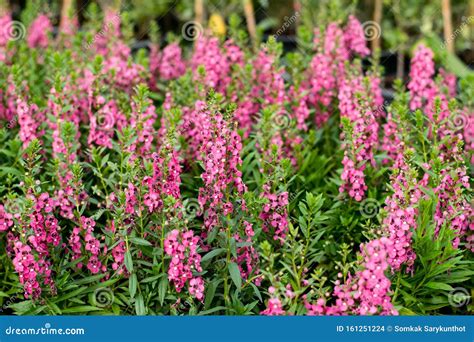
<point x="402" y="22"/>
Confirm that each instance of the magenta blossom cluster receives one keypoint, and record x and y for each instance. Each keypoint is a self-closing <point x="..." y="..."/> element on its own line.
<point x="365" y="293"/>
<point x="274" y="308"/>
<point x="247" y="255"/>
<point x="220" y="155"/>
<point x="274" y="214"/>
<point x="32" y="243"/>
<point x="167" y="64"/>
<point x="326" y="70"/>
<point x="360" y="146"/>
<point x="422" y="87"/>
<point x="208" y="54"/>
<point x="185" y="260"/>
<point x="39" y="31"/>
<point x="401" y="218"/>
<point x="6" y="219"/>
<point x="368" y="291"/>
<point x="452" y="208"/>
<point x="83" y="242"/>
<point x="5" y="22"/>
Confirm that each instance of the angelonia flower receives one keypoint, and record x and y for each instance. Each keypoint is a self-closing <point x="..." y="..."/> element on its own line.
<point x="322" y="85"/>
<point x="239" y="90"/>
<point x="452" y="209"/>
<point x="274" y="308"/>
<point x="247" y="255"/>
<point x="182" y="247"/>
<point x="104" y="121"/>
<point x="165" y="181"/>
<point x="29" y="119"/>
<point x="142" y="121"/>
<point x="68" y="27"/>
<point x="468" y="131"/>
<point x="28" y="269"/>
<point x="171" y="65"/>
<point x="422" y="86"/>
<point x="301" y="110"/>
<point x="368" y="292"/>
<point x="363" y="140"/>
<point x="391" y="142"/>
<point x="118" y="254"/>
<point x="448" y="82"/>
<point x="122" y="73"/>
<point x="470" y="239"/>
<point x="107" y="38"/>
<point x="6" y="219"/>
<point x="208" y="54"/>
<point x="32" y="243"/>
<point x="39" y="31"/>
<point x="274" y="214"/>
<point x="220" y="155"/>
<point x="354" y="37"/>
<point x="5" y="22"/>
<point x="402" y="214"/>
<point x="268" y="79"/>
<point x="196" y="128"/>
<point x="82" y="242"/>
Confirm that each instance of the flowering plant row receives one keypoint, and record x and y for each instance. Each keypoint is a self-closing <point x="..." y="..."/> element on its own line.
<point x="222" y="179"/>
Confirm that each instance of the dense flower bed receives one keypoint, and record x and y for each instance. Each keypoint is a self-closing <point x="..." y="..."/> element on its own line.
<point x="221" y="180"/>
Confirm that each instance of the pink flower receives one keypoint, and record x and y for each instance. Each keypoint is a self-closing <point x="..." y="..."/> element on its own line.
<point x="422" y="87"/>
<point x="274" y="308"/>
<point x="6" y="219"/>
<point x="354" y="37"/>
<point x="275" y="215"/>
<point x="182" y="248"/>
<point x="39" y="31"/>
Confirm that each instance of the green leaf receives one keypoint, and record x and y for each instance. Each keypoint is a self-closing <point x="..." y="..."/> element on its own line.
<point x="88" y="280"/>
<point x="257" y="292"/>
<point x="235" y="274"/>
<point x="140" y="241"/>
<point x="21" y="307"/>
<point x="132" y="285"/>
<point x="128" y="261"/>
<point x="162" y="287"/>
<point x="439" y="286"/>
<point x="140" y="305"/>
<point x="212" y="254"/>
<point x="211" y="291"/>
<point x="81" y="309"/>
<point x="215" y="309"/>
